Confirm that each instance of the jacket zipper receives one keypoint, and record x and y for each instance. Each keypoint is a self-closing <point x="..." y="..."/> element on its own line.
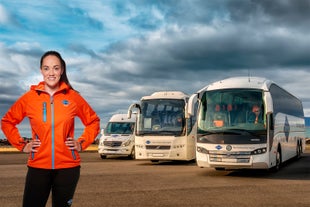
<point x="53" y="132"/>
<point x="53" y="129"/>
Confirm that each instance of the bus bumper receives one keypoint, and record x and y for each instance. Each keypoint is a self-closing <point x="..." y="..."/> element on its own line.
<point x="251" y="162"/>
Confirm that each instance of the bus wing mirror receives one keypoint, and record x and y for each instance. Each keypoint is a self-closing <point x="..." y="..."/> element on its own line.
<point x="129" y="114"/>
<point x="191" y="104"/>
<point x="187" y="116"/>
<point x="135" y="105"/>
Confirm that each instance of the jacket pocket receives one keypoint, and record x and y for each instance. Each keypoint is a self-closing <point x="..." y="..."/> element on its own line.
<point x="44" y="111"/>
<point x="73" y="154"/>
<point x="33" y="153"/>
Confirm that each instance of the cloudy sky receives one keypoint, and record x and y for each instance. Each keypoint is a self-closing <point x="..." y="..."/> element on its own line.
<point x="120" y="50"/>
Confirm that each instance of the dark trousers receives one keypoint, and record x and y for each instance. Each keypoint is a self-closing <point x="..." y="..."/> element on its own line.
<point x="39" y="183"/>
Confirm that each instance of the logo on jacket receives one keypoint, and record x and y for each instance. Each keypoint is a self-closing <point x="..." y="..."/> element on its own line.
<point x="65" y="102"/>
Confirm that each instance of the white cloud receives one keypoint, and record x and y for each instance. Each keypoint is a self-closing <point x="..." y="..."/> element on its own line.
<point x="4" y="16"/>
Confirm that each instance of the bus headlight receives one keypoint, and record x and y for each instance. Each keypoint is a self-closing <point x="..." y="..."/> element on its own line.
<point x="126" y="143"/>
<point x="259" y="151"/>
<point x="202" y="150"/>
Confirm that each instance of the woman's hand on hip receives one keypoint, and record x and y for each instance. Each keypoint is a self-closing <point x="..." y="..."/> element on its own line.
<point x="32" y="146"/>
<point x="73" y="144"/>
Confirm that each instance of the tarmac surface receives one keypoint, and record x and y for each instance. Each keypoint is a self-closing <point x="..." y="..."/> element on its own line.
<point x="119" y="181"/>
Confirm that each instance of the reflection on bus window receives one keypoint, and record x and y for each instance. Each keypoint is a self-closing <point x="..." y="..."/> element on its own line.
<point x="119" y="128"/>
<point x="162" y="116"/>
<point x="233" y="108"/>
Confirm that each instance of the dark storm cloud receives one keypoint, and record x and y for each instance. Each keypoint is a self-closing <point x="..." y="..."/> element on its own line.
<point x="227" y="49"/>
<point x="290" y="13"/>
<point x="287" y="13"/>
<point x="14" y="90"/>
<point x="206" y="41"/>
<point x="209" y="42"/>
<point x="250" y="34"/>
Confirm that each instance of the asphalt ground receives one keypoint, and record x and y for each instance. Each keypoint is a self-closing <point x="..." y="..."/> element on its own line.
<point x="119" y="181"/>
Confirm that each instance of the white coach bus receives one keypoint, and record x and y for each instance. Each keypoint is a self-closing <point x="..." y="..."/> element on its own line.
<point x="247" y="122"/>
<point x="117" y="138"/>
<point x="163" y="129"/>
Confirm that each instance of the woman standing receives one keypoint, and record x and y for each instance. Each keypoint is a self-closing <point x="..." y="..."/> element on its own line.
<point x="54" y="161"/>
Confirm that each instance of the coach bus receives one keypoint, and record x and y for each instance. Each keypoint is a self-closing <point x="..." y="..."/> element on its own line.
<point x="247" y="122"/>
<point x="117" y="137"/>
<point x="163" y="129"/>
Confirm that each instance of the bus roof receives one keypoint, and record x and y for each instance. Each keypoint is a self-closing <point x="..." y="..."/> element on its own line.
<point x="122" y="118"/>
<point x="166" y="95"/>
<point x="239" y="82"/>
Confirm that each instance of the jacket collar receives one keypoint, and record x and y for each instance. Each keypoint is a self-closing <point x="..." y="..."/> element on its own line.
<point x="41" y="87"/>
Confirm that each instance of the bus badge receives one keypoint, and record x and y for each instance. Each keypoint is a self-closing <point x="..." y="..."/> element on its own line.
<point x="228" y="147"/>
<point x="218" y="147"/>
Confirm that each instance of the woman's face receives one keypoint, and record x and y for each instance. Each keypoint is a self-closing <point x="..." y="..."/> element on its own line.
<point x="51" y="70"/>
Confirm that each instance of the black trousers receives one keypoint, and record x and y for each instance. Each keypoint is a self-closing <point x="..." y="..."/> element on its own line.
<point x="40" y="182"/>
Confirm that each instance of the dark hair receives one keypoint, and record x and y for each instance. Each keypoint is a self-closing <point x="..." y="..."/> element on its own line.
<point x="63" y="76"/>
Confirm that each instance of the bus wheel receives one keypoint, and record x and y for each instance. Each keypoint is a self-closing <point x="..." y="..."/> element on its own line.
<point x="132" y="154"/>
<point x="278" y="160"/>
<point x="219" y="169"/>
<point x="103" y="156"/>
<point x="298" y="150"/>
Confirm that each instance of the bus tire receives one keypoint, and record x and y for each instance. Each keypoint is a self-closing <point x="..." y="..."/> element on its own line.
<point x="298" y="150"/>
<point x="278" y="159"/>
<point x="103" y="157"/>
<point x="220" y="169"/>
<point x="132" y="154"/>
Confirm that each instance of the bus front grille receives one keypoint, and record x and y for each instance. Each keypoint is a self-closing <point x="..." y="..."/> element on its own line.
<point x="112" y="143"/>
<point x="229" y="158"/>
<point x="158" y="147"/>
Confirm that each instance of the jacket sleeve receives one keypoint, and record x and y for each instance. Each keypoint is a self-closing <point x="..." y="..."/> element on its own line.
<point x="91" y="122"/>
<point x="12" y="118"/>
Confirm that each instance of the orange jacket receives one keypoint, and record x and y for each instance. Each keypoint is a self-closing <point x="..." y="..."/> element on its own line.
<point x="52" y="121"/>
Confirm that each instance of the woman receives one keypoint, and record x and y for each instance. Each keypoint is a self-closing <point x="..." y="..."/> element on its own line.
<point x="54" y="161"/>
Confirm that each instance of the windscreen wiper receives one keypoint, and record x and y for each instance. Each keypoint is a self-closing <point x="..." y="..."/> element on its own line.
<point x="243" y="131"/>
